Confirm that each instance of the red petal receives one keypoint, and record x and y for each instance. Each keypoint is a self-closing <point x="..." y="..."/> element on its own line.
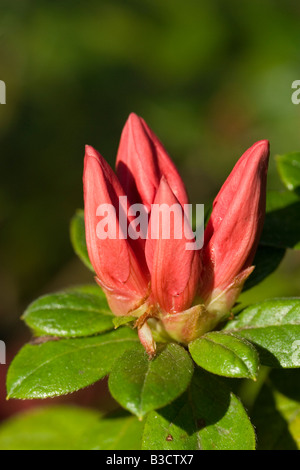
<point x="174" y="269"/>
<point x="113" y="259"/>
<point x="236" y="222"/>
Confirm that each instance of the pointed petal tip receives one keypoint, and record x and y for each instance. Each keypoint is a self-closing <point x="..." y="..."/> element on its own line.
<point x="163" y="183"/>
<point x="264" y="142"/>
<point x="134" y="120"/>
<point x="92" y="157"/>
<point x="133" y="116"/>
<point x="91" y="152"/>
<point x="138" y="128"/>
<point x="263" y="146"/>
<point x="88" y="148"/>
<point x="165" y="193"/>
<point x="257" y="156"/>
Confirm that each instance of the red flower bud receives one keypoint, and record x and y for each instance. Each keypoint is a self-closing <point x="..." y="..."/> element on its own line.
<point x="119" y="264"/>
<point x="142" y="161"/>
<point x="190" y="290"/>
<point x="234" y="229"/>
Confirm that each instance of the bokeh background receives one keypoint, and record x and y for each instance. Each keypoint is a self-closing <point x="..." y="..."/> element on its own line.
<point x="210" y="78"/>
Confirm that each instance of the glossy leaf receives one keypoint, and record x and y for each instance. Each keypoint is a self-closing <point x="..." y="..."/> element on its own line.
<point x="289" y="170"/>
<point x="141" y="385"/>
<point x="273" y="326"/>
<point x="225" y="355"/>
<point x="51" y="428"/>
<point x="77" y="233"/>
<point x="208" y="417"/>
<point x="282" y="221"/>
<point x="69" y="314"/>
<point x="92" y="289"/>
<point x="56" y="368"/>
<point x="118" y="431"/>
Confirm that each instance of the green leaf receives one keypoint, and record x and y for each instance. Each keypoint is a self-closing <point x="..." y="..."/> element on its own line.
<point x="282" y="311"/>
<point x="276" y="413"/>
<point x="141" y="385"/>
<point x="266" y="261"/>
<point x="119" y="431"/>
<point x="226" y="355"/>
<point x="208" y="417"/>
<point x="289" y="170"/>
<point x="173" y="427"/>
<point x="77" y="233"/>
<point x="51" y="428"/>
<point x="92" y="289"/>
<point x="59" y="367"/>
<point x="282" y="222"/>
<point x="273" y="326"/>
<point x="69" y="314"/>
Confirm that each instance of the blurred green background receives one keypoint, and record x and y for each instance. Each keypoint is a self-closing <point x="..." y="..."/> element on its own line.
<point x="209" y="77"/>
